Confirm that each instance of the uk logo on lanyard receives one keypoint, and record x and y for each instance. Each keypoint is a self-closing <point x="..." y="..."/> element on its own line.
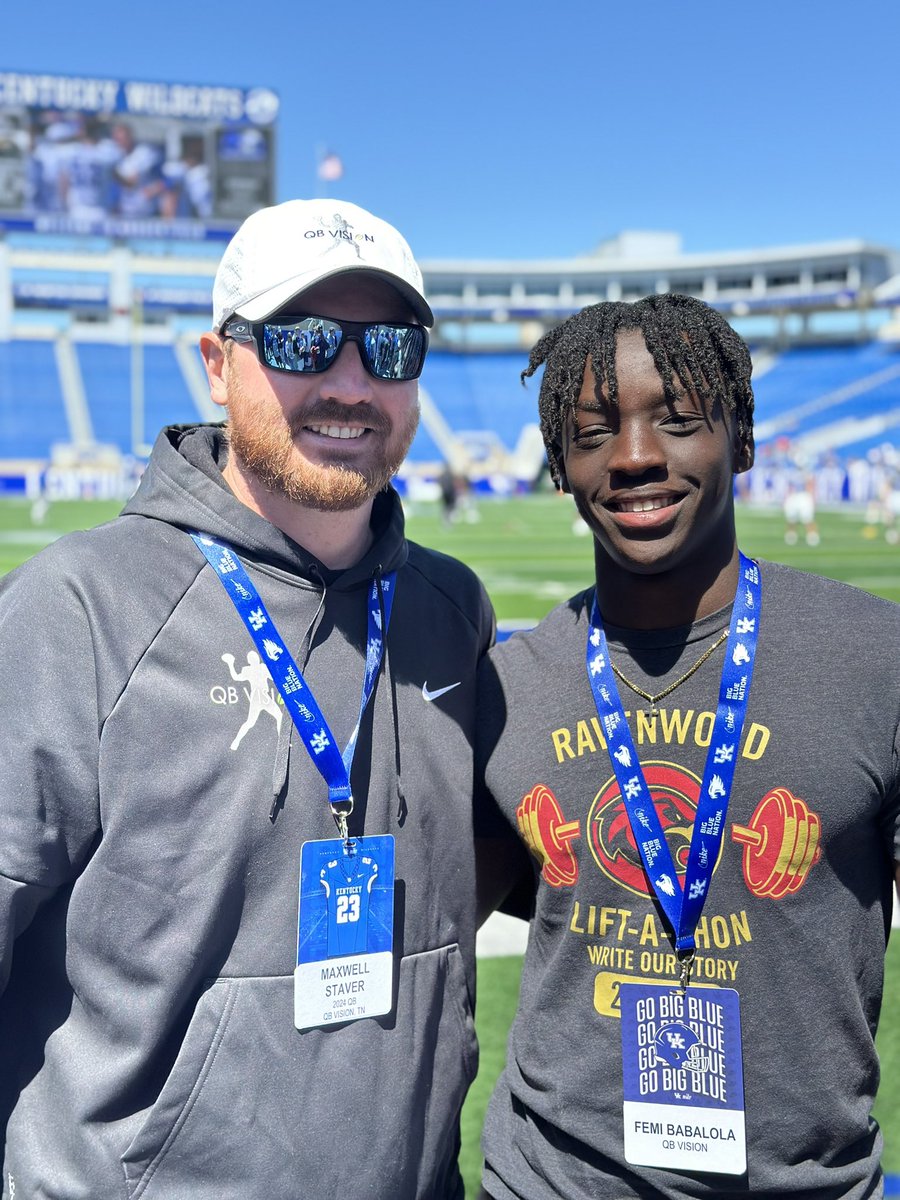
<point x="682" y="907"/>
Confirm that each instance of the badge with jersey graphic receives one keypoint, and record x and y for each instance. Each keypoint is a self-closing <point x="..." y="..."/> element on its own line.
<point x="683" y="1078"/>
<point x="344" y="931"/>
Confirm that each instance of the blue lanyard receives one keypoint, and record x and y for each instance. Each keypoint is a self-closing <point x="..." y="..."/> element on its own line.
<point x="683" y="907"/>
<point x="333" y="766"/>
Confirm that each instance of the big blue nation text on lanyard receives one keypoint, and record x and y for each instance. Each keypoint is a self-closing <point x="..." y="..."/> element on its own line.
<point x="333" y="766"/>
<point x="683" y="907"/>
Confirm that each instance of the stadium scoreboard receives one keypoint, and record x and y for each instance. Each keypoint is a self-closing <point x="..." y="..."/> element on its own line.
<point x="130" y="158"/>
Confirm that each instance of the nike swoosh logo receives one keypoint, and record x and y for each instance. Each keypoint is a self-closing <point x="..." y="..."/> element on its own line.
<point x="429" y="696"/>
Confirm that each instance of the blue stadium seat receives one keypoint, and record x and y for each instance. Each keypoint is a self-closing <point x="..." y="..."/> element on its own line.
<point x="481" y="392"/>
<point x="106" y="370"/>
<point x="32" y="413"/>
<point x="477" y="393"/>
<point x="802" y="376"/>
<point x="818" y="390"/>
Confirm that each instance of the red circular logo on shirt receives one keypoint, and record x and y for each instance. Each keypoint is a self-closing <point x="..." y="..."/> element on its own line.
<point x="675" y="792"/>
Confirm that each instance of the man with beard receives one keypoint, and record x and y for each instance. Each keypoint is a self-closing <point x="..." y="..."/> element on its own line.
<point x="171" y="1028"/>
<point x="703" y="754"/>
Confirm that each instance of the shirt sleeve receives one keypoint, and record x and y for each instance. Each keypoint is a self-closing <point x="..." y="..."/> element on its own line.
<point x="489" y="821"/>
<point x="506" y="875"/>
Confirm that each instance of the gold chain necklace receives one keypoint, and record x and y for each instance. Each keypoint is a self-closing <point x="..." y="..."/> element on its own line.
<point x="654" y="700"/>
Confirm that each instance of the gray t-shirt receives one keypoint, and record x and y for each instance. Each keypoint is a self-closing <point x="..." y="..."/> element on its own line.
<point x="798" y="909"/>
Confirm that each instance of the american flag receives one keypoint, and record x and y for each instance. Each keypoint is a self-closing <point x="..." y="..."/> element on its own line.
<point x="330" y="167"/>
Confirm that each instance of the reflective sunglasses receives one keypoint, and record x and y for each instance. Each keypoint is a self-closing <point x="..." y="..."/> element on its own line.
<point x="309" y="345"/>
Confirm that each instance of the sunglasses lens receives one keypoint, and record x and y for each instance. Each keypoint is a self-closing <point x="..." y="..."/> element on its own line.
<point x="395" y="351"/>
<point x="309" y="344"/>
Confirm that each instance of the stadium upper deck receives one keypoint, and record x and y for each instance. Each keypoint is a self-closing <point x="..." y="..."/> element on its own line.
<point x="98" y="343"/>
<point x="116" y="196"/>
<point x="788" y="295"/>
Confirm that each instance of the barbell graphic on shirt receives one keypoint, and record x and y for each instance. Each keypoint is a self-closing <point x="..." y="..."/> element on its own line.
<point x="781" y="841"/>
<point x="548" y="833"/>
<point x="781" y="844"/>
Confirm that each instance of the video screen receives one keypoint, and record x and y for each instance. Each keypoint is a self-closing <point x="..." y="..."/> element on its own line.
<point x="124" y="158"/>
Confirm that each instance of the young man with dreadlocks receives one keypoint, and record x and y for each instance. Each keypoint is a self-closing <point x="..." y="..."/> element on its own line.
<point x="701" y="751"/>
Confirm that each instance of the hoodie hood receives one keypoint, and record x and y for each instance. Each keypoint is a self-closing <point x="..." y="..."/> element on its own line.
<point x="184" y="486"/>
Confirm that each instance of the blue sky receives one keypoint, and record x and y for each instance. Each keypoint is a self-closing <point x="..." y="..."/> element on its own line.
<point x="516" y="129"/>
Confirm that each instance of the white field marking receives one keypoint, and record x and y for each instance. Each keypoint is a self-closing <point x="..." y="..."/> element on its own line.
<point x="29" y="537"/>
<point x="501" y="935"/>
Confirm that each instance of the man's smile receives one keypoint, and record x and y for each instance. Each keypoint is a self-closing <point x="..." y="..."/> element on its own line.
<point x="337" y="431"/>
<point x="642" y="504"/>
<point x="646" y="511"/>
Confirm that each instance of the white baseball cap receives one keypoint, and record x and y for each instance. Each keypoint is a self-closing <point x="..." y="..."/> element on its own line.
<point x="281" y="251"/>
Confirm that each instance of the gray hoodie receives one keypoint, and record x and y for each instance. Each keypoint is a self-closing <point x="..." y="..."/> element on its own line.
<point x="154" y="803"/>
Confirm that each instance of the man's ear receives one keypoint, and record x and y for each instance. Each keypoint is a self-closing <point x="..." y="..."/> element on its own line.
<point x="561" y="481"/>
<point x="212" y="349"/>
<point x="744" y="451"/>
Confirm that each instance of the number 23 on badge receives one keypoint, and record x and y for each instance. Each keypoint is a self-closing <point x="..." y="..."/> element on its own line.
<point x="344" y="931"/>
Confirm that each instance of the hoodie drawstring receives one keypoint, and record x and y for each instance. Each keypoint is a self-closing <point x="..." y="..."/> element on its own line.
<point x="402" y="807"/>
<point x="286" y="728"/>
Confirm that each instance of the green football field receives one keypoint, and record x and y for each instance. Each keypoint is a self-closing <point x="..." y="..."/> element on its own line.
<point x="530" y="558"/>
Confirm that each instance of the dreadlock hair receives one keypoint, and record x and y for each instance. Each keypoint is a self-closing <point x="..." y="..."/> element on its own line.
<point x="689" y="343"/>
